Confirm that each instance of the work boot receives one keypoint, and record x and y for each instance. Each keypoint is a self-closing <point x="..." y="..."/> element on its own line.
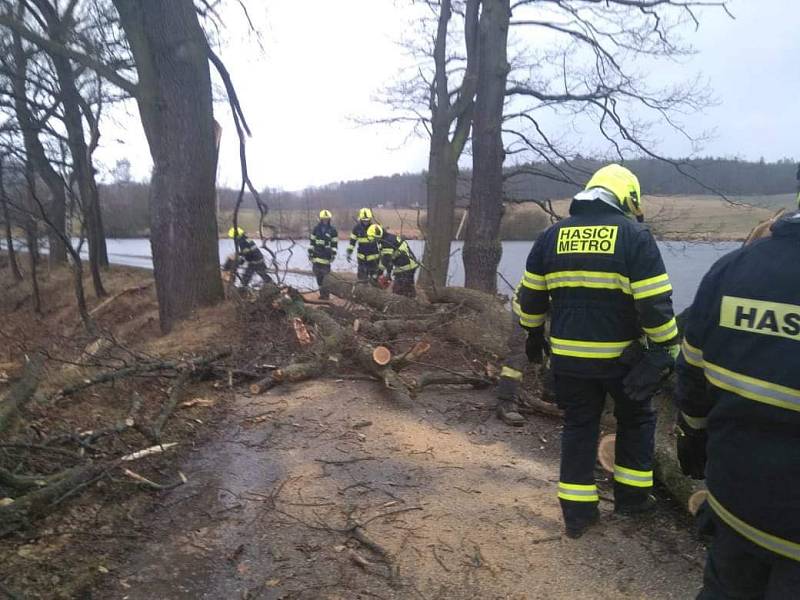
<point x="508" y="413"/>
<point x="577" y="529"/>
<point x="508" y="402"/>
<point x="646" y="506"/>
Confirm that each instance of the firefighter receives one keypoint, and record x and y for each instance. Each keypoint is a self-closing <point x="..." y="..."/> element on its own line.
<point x="250" y="255"/>
<point x="397" y="258"/>
<point x="322" y="251"/>
<point x="368" y="254"/>
<point x="738" y="392"/>
<point x="601" y="276"/>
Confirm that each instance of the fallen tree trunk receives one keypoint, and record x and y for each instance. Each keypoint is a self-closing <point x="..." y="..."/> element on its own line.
<point x="383" y="301"/>
<point x="37" y="503"/>
<point x="20" y="393"/>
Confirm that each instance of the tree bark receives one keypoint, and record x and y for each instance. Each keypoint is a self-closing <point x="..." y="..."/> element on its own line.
<point x="482" y="247"/>
<point x="442" y="181"/>
<point x="35" y="154"/>
<point x="170" y="51"/>
<point x="12" y="254"/>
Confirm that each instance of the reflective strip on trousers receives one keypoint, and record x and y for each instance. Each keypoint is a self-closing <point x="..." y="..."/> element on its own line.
<point x="653" y="286"/>
<point x="632" y="477"/>
<point x="752" y="388"/>
<point x="584" y="349"/>
<point x="771" y="542"/>
<point x="510" y="373"/>
<point x="664" y="333"/>
<point x="368" y="257"/>
<point x="588" y="279"/>
<point x="575" y="492"/>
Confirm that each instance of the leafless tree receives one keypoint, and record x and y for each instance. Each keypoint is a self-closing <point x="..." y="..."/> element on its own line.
<point x="580" y="61"/>
<point x="436" y="97"/>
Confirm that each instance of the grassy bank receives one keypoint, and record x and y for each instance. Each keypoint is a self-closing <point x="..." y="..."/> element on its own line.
<point x="671" y="217"/>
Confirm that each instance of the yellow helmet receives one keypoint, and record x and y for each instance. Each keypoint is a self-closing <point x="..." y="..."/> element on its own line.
<point x="623" y="184"/>
<point x="365" y="214"/>
<point x="374" y="231"/>
<point x="325" y="214"/>
<point x="234" y="233"/>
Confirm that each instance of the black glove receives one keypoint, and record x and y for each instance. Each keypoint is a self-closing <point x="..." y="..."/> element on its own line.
<point x="646" y="377"/>
<point x="692" y="450"/>
<point x="536" y="347"/>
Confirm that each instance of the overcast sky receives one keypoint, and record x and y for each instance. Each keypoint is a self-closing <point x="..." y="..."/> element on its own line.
<point x="322" y="63"/>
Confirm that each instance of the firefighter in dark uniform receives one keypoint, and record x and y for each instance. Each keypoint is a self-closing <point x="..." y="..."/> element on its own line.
<point x="396" y="259"/>
<point x="368" y="254"/>
<point x="601" y="276"/>
<point x="249" y="255"/>
<point x="739" y="426"/>
<point x="322" y="251"/>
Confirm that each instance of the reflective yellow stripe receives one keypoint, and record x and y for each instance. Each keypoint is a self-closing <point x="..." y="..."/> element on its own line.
<point x="695" y="422"/>
<point x="368" y="257"/>
<point x="664" y="333"/>
<point x="532" y="320"/>
<point x="534" y="282"/>
<point x="633" y="477"/>
<point x="353" y="237"/>
<point x="510" y="373"/>
<point x="761" y="538"/>
<point x="409" y="267"/>
<point x="577" y="492"/>
<point x="363" y="240"/>
<point x="752" y="388"/>
<point x="651" y="287"/>
<point x="387" y="251"/>
<point x="588" y="279"/>
<point x="321" y="261"/>
<point x="583" y="349"/>
<point x="692" y="355"/>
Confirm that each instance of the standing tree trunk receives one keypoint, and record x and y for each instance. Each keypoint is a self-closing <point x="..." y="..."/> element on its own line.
<point x="12" y="254"/>
<point x="81" y="156"/>
<point x="35" y="155"/>
<point x="58" y="28"/>
<point x="442" y="182"/>
<point x="174" y="97"/>
<point x="482" y="247"/>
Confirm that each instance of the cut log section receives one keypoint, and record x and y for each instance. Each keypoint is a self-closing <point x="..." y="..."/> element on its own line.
<point x="606" y="451"/>
<point x="300" y="332"/>
<point x="382" y="355"/>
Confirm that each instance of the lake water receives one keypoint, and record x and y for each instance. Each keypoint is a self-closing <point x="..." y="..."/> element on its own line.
<point x="686" y="262"/>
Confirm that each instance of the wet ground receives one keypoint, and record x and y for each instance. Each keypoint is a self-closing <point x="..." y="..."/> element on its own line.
<point x="324" y="490"/>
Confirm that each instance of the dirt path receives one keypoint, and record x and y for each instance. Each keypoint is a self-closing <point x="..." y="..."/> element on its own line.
<point x="464" y="506"/>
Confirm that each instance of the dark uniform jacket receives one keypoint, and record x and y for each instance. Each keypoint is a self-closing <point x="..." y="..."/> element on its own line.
<point x="367" y="250"/>
<point x="324" y="243"/>
<point x="248" y="251"/>
<point x="602" y="277"/>
<point x="396" y="254"/>
<point x="739" y="377"/>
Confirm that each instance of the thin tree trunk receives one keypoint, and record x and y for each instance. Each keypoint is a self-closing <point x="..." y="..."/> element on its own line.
<point x="12" y="254"/>
<point x="57" y="209"/>
<point x="31" y="238"/>
<point x="442" y="183"/>
<point x="441" y="191"/>
<point x="81" y="161"/>
<point x="170" y="50"/>
<point x="482" y="247"/>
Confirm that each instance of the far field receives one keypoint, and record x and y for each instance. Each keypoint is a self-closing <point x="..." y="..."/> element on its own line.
<point x="672" y="217"/>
